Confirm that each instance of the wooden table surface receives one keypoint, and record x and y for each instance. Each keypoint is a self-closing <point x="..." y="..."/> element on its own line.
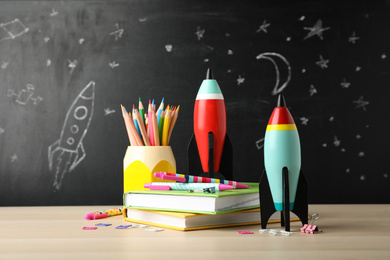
<point x="349" y="232"/>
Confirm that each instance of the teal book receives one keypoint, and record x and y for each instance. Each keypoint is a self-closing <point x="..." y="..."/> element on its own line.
<point x="194" y="202"/>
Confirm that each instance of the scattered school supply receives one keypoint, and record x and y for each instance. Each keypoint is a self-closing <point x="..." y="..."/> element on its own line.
<point x="196" y="179"/>
<point x="210" y="151"/>
<point x="103" y="225"/>
<point x="103" y="214"/>
<point x="89" y="228"/>
<point x="155" y="129"/>
<point x="282" y="185"/>
<point x="194" y="202"/>
<point x="311" y="228"/>
<point x="244" y="232"/>
<point x="276" y="232"/>
<point x="123" y="226"/>
<point x="186" y="186"/>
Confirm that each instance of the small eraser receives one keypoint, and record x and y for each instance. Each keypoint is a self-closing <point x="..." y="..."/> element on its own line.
<point x="245" y="232"/>
<point x="89" y="228"/>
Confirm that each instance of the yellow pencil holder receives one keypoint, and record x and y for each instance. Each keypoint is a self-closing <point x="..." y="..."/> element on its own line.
<point x="141" y="162"/>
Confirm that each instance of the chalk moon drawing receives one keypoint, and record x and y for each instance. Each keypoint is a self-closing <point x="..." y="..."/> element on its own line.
<point x="274" y="57"/>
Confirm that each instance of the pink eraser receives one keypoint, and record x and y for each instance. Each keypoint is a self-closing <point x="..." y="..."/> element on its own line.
<point x="89" y="228"/>
<point x="245" y="232"/>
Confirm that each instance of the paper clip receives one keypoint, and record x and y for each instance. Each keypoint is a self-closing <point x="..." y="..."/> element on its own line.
<point x="276" y="232"/>
<point x="310" y="228"/>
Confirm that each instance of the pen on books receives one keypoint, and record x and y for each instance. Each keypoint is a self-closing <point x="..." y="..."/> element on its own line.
<point x="103" y="214"/>
<point x="197" y="179"/>
<point x="186" y="186"/>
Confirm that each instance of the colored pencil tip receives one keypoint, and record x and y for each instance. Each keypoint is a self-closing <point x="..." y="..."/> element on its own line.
<point x="209" y="74"/>
<point x="162" y="101"/>
<point x="281" y="101"/>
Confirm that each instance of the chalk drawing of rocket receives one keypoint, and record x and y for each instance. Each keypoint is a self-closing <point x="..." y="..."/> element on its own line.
<point x="68" y="151"/>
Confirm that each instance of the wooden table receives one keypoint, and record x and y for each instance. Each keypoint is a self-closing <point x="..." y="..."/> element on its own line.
<point x="349" y="232"/>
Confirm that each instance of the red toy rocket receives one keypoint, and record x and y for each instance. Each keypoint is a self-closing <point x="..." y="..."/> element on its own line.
<point x="210" y="150"/>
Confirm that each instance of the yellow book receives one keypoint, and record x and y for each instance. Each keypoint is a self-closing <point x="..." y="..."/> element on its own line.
<point x="190" y="221"/>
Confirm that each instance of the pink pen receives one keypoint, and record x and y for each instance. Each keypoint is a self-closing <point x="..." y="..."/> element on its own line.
<point x="198" y="179"/>
<point x="163" y="176"/>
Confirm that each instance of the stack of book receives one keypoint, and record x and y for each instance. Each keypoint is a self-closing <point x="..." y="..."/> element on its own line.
<point x="184" y="210"/>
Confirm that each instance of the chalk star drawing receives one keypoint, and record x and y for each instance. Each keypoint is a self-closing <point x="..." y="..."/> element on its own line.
<point x="361" y="154"/>
<point x="316" y="30"/>
<point x="322" y="63"/>
<point x="25" y="95"/>
<point x="113" y="64"/>
<point x="199" y="33"/>
<point x="14" y="157"/>
<point x="168" y="47"/>
<point x="68" y="151"/>
<point x="358" y="68"/>
<point x="260" y="143"/>
<point x="273" y="57"/>
<point x="12" y="30"/>
<point x="230" y="52"/>
<point x="53" y="13"/>
<point x="240" y="80"/>
<point x="331" y="119"/>
<point x="263" y="27"/>
<point x="312" y="90"/>
<point x="2" y="130"/>
<point x="108" y="111"/>
<point x="304" y="120"/>
<point x="46" y="39"/>
<point x="336" y="141"/>
<point x="361" y="103"/>
<point x="383" y="56"/>
<point x="345" y="84"/>
<point x="118" y="32"/>
<point x="48" y="62"/>
<point x="353" y="38"/>
<point x="4" y="65"/>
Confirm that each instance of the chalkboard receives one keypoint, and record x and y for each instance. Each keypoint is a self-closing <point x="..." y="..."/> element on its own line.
<point x="85" y="58"/>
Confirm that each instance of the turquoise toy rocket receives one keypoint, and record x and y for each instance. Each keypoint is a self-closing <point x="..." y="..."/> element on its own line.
<point x="282" y="185"/>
